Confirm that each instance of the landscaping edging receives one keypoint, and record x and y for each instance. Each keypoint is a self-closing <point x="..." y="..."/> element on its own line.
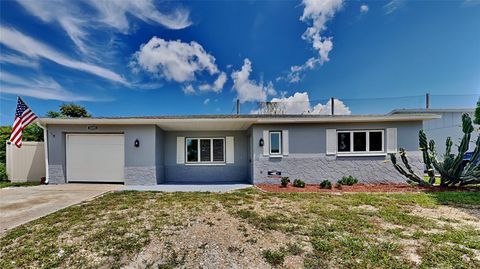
<point x="364" y="188"/>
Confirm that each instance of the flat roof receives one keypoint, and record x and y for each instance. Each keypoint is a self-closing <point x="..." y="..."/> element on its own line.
<point x="234" y="122"/>
<point x="431" y="110"/>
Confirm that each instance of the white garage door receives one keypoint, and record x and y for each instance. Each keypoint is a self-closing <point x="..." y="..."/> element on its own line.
<point x="95" y="157"/>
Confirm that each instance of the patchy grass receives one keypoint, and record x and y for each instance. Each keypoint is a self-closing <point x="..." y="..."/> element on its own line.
<point x="5" y="184"/>
<point x="312" y="230"/>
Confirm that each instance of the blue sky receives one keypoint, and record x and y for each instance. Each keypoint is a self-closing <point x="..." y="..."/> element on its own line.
<point x="197" y="57"/>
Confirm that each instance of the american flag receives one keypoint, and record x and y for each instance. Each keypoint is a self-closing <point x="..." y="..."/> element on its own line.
<point x="23" y="117"/>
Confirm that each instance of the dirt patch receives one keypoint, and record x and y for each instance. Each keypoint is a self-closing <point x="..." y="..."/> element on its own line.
<point x="362" y="188"/>
<point x="453" y="216"/>
<point x="215" y="240"/>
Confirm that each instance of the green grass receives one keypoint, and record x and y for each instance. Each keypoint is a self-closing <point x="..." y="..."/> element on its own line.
<point x="4" y="184"/>
<point x="358" y="230"/>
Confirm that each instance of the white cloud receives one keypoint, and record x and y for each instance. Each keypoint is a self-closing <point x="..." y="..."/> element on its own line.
<point x="70" y="15"/>
<point x="206" y="101"/>
<point x="217" y="85"/>
<point x="174" y="60"/>
<point x="188" y="89"/>
<point x="299" y="103"/>
<point x="317" y="13"/>
<point x="17" y="60"/>
<point x="364" y="8"/>
<point x="392" y="6"/>
<point x="35" y="49"/>
<point x="38" y="87"/>
<point x="339" y="108"/>
<point x="250" y="90"/>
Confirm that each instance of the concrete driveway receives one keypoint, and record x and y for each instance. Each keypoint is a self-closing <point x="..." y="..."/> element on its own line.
<point x="19" y="205"/>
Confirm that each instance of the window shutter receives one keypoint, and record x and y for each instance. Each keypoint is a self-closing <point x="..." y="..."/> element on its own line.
<point x="180" y="149"/>
<point x="266" y="143"/>
<point x="391" y="140"/>
<point x="285" y="142"/>
<point x="230" y="151"/>
<point x="331" y="141"/>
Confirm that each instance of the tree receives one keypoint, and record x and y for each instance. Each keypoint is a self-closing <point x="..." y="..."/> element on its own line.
<point x="477" y="113"/>
<point x="74" y="111"/>
<point x="69" y="111"/>
<point x="54" y="114"/>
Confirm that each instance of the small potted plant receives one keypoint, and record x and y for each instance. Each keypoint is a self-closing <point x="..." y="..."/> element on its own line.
<point x="284" y="181"/>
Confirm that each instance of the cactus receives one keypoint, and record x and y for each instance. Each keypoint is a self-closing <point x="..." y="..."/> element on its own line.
<point x="471" y="173"/>
<point x="422" y="138"/>
<point x="451" y="170"/>
<point x="412" y="177"/>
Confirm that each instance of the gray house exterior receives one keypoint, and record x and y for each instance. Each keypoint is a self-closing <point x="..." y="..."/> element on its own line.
<point x="223" y="149"/>
<point x="448" y="125"/>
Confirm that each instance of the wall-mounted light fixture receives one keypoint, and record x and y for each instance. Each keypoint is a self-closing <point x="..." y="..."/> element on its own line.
<point x="136" y="143"/>
<point x="260" y="143"/>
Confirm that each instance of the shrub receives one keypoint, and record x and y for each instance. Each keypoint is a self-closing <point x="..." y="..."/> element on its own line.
<point x="338" y="186"/>
<point x="3" y="172"/>
<point x="274" y="258"/>
<point x="348" y="181"/>
<point x="284" y="181"/>
<point x="299" y="183"/>
<point x="326" y="184"/>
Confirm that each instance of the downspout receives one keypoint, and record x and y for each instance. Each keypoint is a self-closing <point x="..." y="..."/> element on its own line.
<point x="45" y="145"/>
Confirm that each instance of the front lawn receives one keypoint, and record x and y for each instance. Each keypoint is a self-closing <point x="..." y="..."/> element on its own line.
<point x="253" y="229"/>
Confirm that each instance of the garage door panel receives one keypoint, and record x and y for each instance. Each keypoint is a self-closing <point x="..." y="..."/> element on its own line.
<point x="95" y="158"/>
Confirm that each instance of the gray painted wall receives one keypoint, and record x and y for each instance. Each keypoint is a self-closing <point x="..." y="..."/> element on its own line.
<point x="159" y="154"/>
<point x="182" y="173"/>
<point x="449" y="125"/>
<point x="140" y="163"/>
<point x="308" y="160"/>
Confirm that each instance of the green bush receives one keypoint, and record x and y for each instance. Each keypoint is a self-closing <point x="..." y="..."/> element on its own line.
<point x="3" y="172"/>
<point x="299" y="183"/>
<point x="326" y="184"/>
<point x="274" y="258"/>
<point x="348" y="181"/>
<point x="284" y="181"/>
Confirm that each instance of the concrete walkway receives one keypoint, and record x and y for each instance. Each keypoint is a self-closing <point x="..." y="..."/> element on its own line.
<point x="19" y="205"/>
<point x="188" y="188"/>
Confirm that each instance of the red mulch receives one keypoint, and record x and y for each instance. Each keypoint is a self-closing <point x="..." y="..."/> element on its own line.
<point x="362" y="188"/>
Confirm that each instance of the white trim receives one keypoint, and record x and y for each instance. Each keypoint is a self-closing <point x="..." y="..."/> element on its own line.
<point x="391" y="140"/>
<point x="229" y="149"/>
<point x="331" y="141"/>
<point x="266" y="144"/>
<point x="285" y="141"/>
<point x="367" y="151"/>
<point x="361" y="154"/>
<point x="200" y="162"/>
<point x="180" y="149"/>
<point x="279" y="143"/>
<point x="45" y="141"/>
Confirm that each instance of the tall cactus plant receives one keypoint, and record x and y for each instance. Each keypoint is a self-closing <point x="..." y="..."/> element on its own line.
<point x="451" y="169"/>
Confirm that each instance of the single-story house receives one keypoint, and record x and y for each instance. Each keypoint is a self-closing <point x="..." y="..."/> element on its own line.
<point x="229" y="148"/>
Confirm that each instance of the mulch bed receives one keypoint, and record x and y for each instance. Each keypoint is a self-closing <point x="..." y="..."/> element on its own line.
<point x="362" y="188"/>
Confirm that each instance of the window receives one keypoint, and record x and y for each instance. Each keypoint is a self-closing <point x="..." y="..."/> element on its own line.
<point x="276" y="143"/>
<point x="205" y="150"/>
<point x="360" y="141"/>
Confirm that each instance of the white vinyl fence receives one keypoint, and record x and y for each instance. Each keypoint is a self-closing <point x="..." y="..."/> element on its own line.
<point x="26" y="163"/>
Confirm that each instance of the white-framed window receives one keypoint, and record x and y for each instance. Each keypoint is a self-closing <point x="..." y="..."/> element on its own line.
<point x="360" y="141"/>
<point x="275" y="143"/>
<point x="205" y="150"/>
